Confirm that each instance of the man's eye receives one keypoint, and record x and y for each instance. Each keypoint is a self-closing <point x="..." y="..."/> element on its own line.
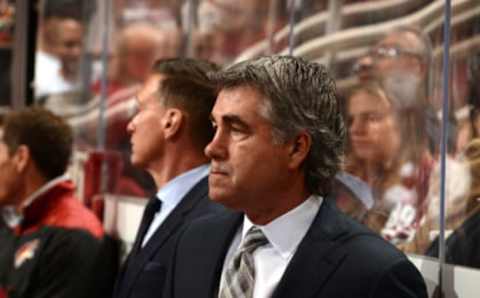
<point x="374" y="117"/>
<point x="237" y="128"/>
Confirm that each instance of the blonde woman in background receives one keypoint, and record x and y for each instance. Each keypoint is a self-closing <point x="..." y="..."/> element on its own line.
<point x="388" y="150"/>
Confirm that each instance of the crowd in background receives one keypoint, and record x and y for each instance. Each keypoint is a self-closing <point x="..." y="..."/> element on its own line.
<point x="390" y="179"/>
<point x="393" y="112"/>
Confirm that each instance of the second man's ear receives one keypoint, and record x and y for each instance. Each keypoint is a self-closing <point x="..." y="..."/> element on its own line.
<point x="299" y="148"/>
<point x="21" y="158"/>
<point x="172" y="122"/>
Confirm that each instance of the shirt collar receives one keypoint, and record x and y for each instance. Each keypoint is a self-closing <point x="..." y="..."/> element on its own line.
<point x="46" y="187"/>
<point x="11" y="217"/>
<point x="172" y="193"/>
<point x="286" y="232"/>
<point x="10" y="214"/>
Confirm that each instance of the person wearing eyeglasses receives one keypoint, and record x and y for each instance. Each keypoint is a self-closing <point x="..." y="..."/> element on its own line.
<point x="401" y="60"/>
<point x="400" y="64"/>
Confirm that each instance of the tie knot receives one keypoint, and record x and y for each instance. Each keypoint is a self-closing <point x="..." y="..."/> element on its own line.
<point x="153" y="206"/>
<point x="253" y="239"/>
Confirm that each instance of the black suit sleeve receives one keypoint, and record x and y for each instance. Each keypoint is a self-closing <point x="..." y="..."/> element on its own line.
<point x="401" y="280"/>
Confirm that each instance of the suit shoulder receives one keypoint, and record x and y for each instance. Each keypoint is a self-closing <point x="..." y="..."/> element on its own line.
<point x="208" y="225"/>
<point x="358" y="239"/>
<point x="71" y="214"/>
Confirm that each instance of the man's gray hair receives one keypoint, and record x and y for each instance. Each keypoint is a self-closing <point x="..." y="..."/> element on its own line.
<point x="300" y="96"/>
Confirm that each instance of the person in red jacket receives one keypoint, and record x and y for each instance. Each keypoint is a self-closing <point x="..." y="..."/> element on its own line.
<point x="58" y="241"/>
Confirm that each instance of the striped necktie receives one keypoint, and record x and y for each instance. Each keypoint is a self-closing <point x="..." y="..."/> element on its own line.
<point x="239" y="277"/>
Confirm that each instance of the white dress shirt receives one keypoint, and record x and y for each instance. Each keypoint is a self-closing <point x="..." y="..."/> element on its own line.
<point x="172" y="193"/>
<point x="284" y="234"/>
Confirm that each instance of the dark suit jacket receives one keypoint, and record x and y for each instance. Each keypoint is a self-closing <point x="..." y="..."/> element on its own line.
<point x="144" y="272"/>
<point x="337" y="258"/>
<point x="56" y="262"/>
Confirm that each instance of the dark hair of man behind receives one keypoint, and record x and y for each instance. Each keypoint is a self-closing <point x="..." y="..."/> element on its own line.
<point x="188" y="87"/>
<point x="47" y="136"/>
<point x="192" y="69"/>
<point x="299" y="96"/>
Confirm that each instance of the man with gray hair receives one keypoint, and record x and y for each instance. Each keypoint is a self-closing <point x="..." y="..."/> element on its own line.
<point x="277" y="147"/>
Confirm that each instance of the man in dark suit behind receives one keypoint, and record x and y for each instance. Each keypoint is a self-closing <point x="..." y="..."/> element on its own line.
<point x="168" y="134"/>
<point x="277" y="147"/>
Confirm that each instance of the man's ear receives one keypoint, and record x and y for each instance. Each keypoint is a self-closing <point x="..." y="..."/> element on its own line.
<point x="172" y="122"/>
<point x="21" y="158"/>
<point x="298" y="150"/>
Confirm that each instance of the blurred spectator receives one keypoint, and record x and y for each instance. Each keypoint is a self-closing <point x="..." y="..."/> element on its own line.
<point x="58" y="243"/>
<point x="227" y="27"/>
<point x="60" y="45"/>
<point x="401" y="63"/>
<point x="401" y="60"/>
<point x="468" y="115"/>
<point x="138" y="45"/>
<point x="389" y="152"/>
<point x="463" y="216"/>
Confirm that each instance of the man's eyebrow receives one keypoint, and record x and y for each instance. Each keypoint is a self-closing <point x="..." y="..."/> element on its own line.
<point x="231" y="120"/>
<point x="234" y="119"/>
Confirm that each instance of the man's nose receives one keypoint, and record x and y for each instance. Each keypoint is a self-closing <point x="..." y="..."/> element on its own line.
<point x="356" y="127"/>
<point x="130" y="126"/>
<point x="216" y="148"/>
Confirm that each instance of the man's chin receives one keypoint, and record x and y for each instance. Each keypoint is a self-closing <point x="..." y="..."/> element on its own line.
<point x="136" y="162"/>
<point x="225" y="199"/>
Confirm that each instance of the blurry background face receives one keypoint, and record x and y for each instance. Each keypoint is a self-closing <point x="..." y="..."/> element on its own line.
<point x="139" y="60"/>
<point x="69" y="44"/>
<point x="139" y="45"/>
<point x="392" y="55"/>
<point x="373" y="130"/>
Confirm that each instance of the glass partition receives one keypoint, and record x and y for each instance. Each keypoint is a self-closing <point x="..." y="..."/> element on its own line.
<point x="386" y="56"/>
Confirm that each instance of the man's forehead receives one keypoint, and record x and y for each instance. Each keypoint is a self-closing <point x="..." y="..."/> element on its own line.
<point x="242" y="101"/>
<point x="404" y="40"/>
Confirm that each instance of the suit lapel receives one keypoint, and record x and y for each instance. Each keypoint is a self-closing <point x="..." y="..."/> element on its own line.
<point x="142" y="230"/>
<point x="163" y="233"/>
<point x="176" y="218"/>
<point x="317" y="256"/>
<point x="225" y="230"/>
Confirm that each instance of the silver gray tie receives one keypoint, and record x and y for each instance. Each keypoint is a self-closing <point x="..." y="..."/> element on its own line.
<point x="239" y="277"/>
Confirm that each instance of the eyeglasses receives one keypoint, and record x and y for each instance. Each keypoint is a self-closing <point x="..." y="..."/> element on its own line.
<point x="384" y="51"/>
<point x="391" y="52"/>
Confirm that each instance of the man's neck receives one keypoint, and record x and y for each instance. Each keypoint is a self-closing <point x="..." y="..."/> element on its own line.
<point x="164" y="172"/>
<point x="286" y="199"/>
<point x="33" y="183"/>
